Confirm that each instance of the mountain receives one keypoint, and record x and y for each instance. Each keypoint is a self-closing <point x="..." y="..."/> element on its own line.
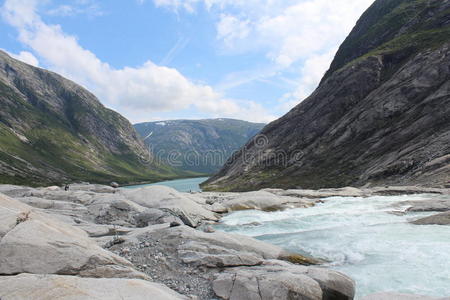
<point x="53" y="131"/>
<point x="381" y="114"/>
<point x="197" y="145"/>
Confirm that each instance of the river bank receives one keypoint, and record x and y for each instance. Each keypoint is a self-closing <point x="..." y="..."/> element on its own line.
<point x="162" y="241"/>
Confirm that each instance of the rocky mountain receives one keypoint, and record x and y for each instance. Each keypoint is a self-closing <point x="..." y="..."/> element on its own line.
<point x="197" y="145"/>
<point x="54" y="131"/>
<point x="381" y="114"/>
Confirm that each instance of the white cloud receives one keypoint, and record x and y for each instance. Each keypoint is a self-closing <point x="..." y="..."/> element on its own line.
<point x="297" y="34"/>
<point x="26" y="57"/>
<point x="230" y="29"/>
<point x="136" y="92"/>
<point x="87" y="7"/>
<point x="293" y="33"/>
<point x="188" y="5"/>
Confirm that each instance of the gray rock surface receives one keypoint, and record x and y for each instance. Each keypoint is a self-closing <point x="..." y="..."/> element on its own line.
<point x="431" y="204"/>
<point x="57" y="287"/>
<point x="283" y="281"/>
<point x="263" y="200"/>
<point x="90" y="232"/>
<point x="180" y="205"/>
<point x="32" y="242"/>
<point x="439" y="219"/>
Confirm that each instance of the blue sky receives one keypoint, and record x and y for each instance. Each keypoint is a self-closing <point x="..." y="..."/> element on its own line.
<point x="171" y="59"/>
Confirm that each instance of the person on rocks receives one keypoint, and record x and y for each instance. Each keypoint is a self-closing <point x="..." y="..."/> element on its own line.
<point x="66" y="188"/>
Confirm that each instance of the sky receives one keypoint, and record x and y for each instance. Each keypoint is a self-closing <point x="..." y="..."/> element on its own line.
<point x="184" y="59"/>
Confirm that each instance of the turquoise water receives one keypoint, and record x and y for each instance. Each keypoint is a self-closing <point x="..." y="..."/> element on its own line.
<point x="362" y="238"/>
<point x="181" y="185"/>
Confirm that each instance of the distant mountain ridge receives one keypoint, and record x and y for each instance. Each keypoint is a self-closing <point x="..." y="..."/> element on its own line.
<point x="381" y="114"/>
<point x="197" y="145"/>
<point x="54" y="131"/>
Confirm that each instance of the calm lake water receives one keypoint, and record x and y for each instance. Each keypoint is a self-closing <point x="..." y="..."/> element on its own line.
<point x="362" y="238"/>
<point x="181" y="185"/>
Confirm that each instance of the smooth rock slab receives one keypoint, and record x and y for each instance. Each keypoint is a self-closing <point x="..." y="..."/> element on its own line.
<point x="56" y="287"/>
<point x="263" y="200"/>
<point x="162" y="197"/>
<point x="438" y="205"/>
<point x="283" y="281"/>
<point x="439" y="219"/>
<point x="33" y="242"/>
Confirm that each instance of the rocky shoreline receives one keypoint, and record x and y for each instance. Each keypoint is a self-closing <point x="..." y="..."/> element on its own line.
<point x="98" y="242"/>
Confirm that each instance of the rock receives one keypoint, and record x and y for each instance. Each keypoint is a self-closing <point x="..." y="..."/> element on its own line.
<point x="36" y="243"/>
<point x="115" y="209"/>
<point x="95" y="188"/>
<point x="114" y="185"/>
<point x="152" y="216"/>
<point x="16" y="190"/>
<point x="175" y="224"/>
<point x="100" y="230"/>
<point x="11" y="212"/>
<point x="254" y="200"/>
<point x="219" y="208"/>
<point x="189" y="211"/>
<point x="394" y="296"/>
<point x="322" y="193"/>
<point x="283" y="281"/>
<point x="432" y="204"/>
<point x="335" y="285"/>
<point x="53" y="188"/>
<point x="260" y="200"/>
<point x="53" y="204"/>
<point x="405" y="190"/>
<point x="216" y="249"/>
<point x="439" y="219"/>
<point x="43" y="287"/>
<point x="208" y="229"/>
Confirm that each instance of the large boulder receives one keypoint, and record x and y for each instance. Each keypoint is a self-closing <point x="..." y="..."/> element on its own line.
<point x="263" y="200"/>
<point x="277" y="280"/>
<point x="11" y="213"/>
<point x="438" y="219"/>
<point x="217" y="249"/>
<point x="114" y="209"/>
<point x="33" y="242"/>
<point x="431" y="204"/>
<point x="166" y="198"/>
<point x="57" y="287"/>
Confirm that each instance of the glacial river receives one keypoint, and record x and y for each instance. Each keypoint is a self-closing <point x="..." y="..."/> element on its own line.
<point x="364" y="239"/>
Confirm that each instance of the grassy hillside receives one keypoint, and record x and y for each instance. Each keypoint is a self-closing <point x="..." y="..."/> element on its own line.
<point x="53" y="131"/>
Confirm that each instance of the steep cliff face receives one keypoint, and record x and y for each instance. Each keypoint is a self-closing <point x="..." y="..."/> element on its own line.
<point x="53" y="131"/>
<point x="381" y="114"/>
<point x="197" y="145"/>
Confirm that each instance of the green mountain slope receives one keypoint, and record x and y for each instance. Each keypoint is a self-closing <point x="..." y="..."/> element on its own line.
<point x="381" y="114"/>
<point x="197" y="145"/>
<point x="54" y="131"/>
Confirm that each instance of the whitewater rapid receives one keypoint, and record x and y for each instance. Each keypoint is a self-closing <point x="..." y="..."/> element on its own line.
<point x="368" y="239"/>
